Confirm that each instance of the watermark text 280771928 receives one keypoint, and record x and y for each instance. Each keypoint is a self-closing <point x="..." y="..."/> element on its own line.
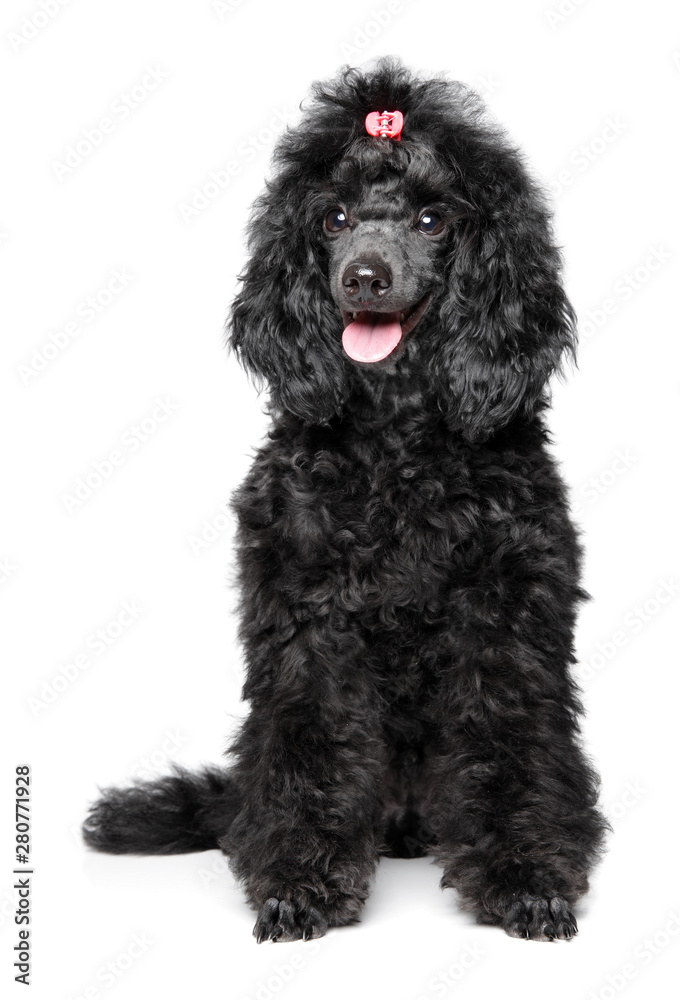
<point x="22" y="884"/>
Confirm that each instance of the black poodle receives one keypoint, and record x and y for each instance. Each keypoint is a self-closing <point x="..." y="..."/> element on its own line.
<point x="409" y="573"/>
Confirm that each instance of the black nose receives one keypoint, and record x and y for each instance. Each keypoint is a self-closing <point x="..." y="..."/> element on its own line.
<point x="367" y="282"/>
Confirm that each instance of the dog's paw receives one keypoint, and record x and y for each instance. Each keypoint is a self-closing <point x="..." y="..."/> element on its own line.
<point x="539" y="918"/>
<point x="283" y="920"/>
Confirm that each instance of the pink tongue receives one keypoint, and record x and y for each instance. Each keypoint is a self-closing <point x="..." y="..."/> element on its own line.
<point x="372" y="336"/>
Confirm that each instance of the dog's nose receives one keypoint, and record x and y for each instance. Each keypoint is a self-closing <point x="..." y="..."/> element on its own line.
<point x="368" y="282"/>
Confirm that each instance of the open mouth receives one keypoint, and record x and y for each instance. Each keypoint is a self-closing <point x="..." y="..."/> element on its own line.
<point x="371" y="336"/>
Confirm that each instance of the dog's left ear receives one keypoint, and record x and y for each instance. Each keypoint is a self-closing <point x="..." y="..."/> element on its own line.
<point x="283" y="325"/>
<point x="506" y="322"/>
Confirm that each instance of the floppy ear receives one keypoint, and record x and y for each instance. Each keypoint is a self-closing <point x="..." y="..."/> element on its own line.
<point x="283" y="325"/>
<point x="506" y="321"/>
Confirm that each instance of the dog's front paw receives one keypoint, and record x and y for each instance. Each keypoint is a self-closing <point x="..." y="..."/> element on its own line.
<point x="539" y="918"/>
<point x="285" y="920"/>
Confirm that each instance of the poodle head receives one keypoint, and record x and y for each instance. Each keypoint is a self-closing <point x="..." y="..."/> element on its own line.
<point x="430" y="255"/>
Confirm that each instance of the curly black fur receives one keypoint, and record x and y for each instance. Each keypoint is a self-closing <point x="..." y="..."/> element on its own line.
<point x="409" y="573"/>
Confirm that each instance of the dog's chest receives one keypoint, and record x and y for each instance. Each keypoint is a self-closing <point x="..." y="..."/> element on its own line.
<point x="383" y="525"/>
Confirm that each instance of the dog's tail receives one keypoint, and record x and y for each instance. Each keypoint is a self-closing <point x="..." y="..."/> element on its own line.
<point x="177" y="814"/>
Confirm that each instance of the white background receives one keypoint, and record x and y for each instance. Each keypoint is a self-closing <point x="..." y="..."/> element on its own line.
<point x="593" y="92"/>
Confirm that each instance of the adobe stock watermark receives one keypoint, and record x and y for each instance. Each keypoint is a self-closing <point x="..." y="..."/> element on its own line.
<point x="7" y="569"/>
<point x="625" y="288"/>
<point x="211" y="529"/>
<point x="446" y="980"/>
<point x="224" y="7"/>
<point x="130" y="441"/>
<point x="215" y="871"/>
<point x="159" y="760"/>
<point x="34" y="23"/>
<point x="632" y="793"/>
<point x="633" y="623"/>
<point x="487" y="85"/>
<point x="597" y="486"/>
<point x="369" y="29"/>
<point x="85" y="313"/>
<point x="110" y="973"/>
<point x="119" y="110"/>
<point x="282" y="973"/>
<point x="642" y="957"/>
<point x="582" y="158"/>
<point x="247" y="150"/>
<point x="98" y="642"/>
<point x="557" y="15"/>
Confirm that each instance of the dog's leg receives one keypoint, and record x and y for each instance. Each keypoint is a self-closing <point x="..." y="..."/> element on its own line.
<point x="516" y="821"/>
<point x="310" y="757"/>
<point x="309" y="760"/>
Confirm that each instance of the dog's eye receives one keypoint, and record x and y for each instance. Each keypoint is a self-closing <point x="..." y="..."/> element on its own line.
<point x="335" y="220"/>
<point x="430" y="224"/>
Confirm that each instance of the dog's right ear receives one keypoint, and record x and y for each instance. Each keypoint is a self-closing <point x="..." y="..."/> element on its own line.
<point x="283" y="325"/>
